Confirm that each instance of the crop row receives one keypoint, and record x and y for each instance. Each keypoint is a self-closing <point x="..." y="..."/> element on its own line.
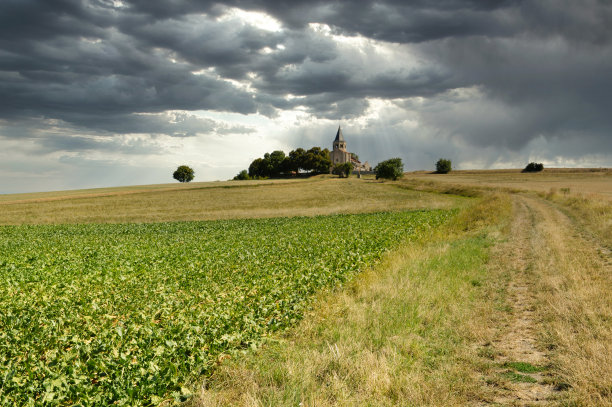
<point x="133" y="314"/>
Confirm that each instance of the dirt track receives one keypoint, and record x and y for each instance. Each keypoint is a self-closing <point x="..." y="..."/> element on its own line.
<point x="545" y="264"/>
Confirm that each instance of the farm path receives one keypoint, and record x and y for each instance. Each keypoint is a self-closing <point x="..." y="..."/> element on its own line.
<point x="517" y="350"/>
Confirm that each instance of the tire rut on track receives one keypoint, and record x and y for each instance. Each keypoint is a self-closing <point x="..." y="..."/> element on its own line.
<point x="520" y="376"/>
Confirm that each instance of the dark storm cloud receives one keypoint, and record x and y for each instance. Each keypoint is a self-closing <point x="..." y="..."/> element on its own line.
<point x="65" y="58"/>
<point x="537" y="68"/>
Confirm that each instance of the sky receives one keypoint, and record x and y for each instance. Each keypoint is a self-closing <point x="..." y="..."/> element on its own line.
<point x="98" y="93"/>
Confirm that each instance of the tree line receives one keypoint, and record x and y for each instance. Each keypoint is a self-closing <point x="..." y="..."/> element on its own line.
<point x="275" y="164"/>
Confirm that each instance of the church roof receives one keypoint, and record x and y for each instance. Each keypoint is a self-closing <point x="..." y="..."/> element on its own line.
<point x="339" y="136"/>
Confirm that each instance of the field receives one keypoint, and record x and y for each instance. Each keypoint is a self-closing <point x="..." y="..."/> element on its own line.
<point x="562" y="180"/>
<point x="134" y="313"/>
<point x="214" y="200"/>
<point x="472" y="288"/>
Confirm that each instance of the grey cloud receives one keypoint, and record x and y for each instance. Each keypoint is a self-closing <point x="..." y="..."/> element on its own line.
<point x="103" y="70"/>
<point x="77" y="143"/>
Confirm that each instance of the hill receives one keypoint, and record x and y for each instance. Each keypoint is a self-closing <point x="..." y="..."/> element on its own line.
<point x="215" y="200"/>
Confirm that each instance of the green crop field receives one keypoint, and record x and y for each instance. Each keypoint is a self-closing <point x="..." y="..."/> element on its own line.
<point x="134" y="314"/>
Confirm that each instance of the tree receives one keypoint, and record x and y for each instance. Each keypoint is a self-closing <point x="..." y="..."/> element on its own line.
<point x="443" y="166"/>
<point x="183" y="174"/>
<point x="275" y="162"/>
<point x="343" y="170"/>
<point x="287" y="166"/>
<point x="392" y="168"/>
<point x="298" y="159"/>
<point x="534" y="167"/>
<point x="242" y="176"/>
<point x="259" y="168"/>
<point x="317" y="160"/>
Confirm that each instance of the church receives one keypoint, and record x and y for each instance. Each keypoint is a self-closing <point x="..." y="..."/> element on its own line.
<point x="340" y="155"/>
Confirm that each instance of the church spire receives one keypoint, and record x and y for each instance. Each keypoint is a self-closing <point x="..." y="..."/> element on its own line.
<point x="339" y="136"/>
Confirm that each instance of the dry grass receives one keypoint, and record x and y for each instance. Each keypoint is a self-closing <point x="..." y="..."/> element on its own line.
<point x="206" y="201"/>
<point x="401" y="334"/>
<point x="575" y="181"/>
<point x="575" y="297"/>
<point x="592" y="211"/>
<point x="436" y="324"/>
<point x="585" y="194"/>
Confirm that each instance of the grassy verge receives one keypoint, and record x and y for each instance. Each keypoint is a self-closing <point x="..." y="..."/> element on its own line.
<point x="400" y="334"/>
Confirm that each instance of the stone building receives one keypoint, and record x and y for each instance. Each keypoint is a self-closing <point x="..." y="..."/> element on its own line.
<point x="340" y="155"/>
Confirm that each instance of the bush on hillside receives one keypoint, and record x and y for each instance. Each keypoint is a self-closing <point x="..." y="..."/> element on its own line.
<point x="242" y="176"/>
<point x="534" y="167"/>
<point x="444" y="166"/>
<point x="392" y="168"/>
<point x="343" y="170"/>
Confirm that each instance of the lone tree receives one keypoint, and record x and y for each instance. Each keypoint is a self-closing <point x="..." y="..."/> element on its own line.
<point x="183" y="174"/>
<point x="392" y="168"/>
<point x="534" y="167"/>
<point x="343" y="170"/>
<point x="443" y="166"/>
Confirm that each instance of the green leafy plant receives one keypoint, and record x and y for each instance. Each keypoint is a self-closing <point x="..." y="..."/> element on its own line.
<point x="131" y="314"/>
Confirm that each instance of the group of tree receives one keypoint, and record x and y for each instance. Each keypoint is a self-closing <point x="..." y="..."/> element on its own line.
<point x="534" y="167"/>
<point x="277" y="164"/>
<point x="317" y="161"/>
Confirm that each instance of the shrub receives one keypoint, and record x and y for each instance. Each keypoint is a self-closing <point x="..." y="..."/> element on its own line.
<point x="392" y="168"/>
<point x="443" y="166"/>
<point x="534" y="167"/>
<point x="343" y="170"/>
<point x="242" y="176"/>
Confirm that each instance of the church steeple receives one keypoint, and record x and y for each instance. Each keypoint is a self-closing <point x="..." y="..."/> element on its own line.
<point x="339" y="143"/>
<point x="339" y="136"/>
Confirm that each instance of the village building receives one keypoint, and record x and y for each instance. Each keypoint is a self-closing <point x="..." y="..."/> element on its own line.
<point x="340" y="154"/>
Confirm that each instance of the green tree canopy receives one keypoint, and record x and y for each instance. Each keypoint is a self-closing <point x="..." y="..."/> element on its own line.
<point x="298" y="159"/>
<point x="315" y="160"/>
<point x="258" y="168"/>
<point x="443" y="166"/>
<point x="534" y="167"/>
<point x="275" y="162"/>
<point x="392" y="168"/>
<point x="242" y="176"/>
<point x="343" y="170"/>
<point x="183" y="174"/>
